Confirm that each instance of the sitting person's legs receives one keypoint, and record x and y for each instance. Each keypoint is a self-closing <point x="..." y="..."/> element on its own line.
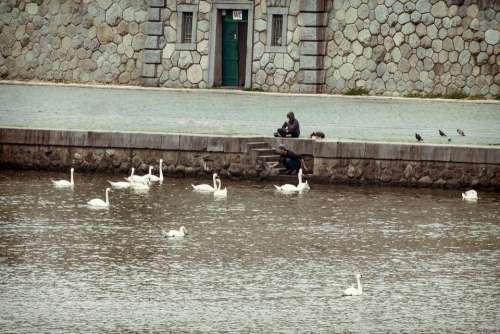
<point x="291" y="164"/>
<point x="281" y="132"/>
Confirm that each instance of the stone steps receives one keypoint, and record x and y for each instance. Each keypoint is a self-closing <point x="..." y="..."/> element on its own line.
<point x="269" y="158"/>
<point x="257" y="145"/>
<point x="264" y="151"/>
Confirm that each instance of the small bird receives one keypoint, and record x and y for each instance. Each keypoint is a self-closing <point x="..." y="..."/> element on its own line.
<point x="441" y="133"/>
<point x="419" y="137"/>
<point x="460" y="132"/>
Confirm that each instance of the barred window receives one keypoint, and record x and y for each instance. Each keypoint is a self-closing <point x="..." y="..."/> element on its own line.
<point x="277" y="29"/>
<point x="187" y="27"/>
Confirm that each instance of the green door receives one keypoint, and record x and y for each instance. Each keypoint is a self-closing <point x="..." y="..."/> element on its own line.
<point x="230" y="55"/>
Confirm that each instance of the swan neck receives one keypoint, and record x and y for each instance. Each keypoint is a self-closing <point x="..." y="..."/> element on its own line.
<point x="360" y="287"/>
<point x="161" y="170"/>
<point x="71" y="180"/>
<point x="215" y="182"/>
<point x="107" y="196"/>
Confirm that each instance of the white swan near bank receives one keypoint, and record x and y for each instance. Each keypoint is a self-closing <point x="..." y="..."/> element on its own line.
<point x="290" y="188"/>
<point x="138" y="178"/>
<point x="99" y="203"/>
<point x="65" y="183"/>
<point x="177" y="233"/>
<point x="154" y="178"/>
<point x="206" y="187"/>
<point x="119" y="184"/>
<point x="470" y="195"/>
<point x="140" y="186"/>
<point x="352" y="291"/>
<point x="220" y="192"/>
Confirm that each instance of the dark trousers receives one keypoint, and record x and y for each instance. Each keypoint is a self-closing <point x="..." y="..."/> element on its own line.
<point x="290" y="164"/>
<point x="283" y="133"/>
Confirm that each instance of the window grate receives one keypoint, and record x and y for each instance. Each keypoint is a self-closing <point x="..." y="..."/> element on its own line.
<point x="277" y="30"/>
<point x="187" y="27"/>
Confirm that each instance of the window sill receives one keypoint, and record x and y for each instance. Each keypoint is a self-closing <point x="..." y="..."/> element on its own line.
<point x="185" y="46"/>
<point x="276" y="49"/>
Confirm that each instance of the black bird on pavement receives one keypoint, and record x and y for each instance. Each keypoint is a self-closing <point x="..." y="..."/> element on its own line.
<point x="441" y="133"/>
<point x="460" y="132"/>
<point x="419" y="137"/>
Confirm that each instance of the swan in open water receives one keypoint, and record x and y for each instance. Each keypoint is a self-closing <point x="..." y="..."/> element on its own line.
<point x="99" y="203"/>
<point x="65" y="183"/>
<point x="470" y="195"/>
<point x="290" y="188"/>
<point x="220" y="192"/>
<point x="206" y="187"/>
<point x="177" y="233"/>
<point x="352" y="291"/>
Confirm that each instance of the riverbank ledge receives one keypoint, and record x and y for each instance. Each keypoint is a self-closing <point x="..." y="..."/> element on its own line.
<point x="346" y="162"/>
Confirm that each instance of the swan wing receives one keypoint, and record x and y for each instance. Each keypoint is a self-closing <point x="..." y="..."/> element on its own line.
<point x="61" y="183"/>
<point x="288" y="188"/>
<point x="203" y="187"/>
<point x="153" y="178"/>
<point x="96" y="202"/>
<point x="350" y="291"/>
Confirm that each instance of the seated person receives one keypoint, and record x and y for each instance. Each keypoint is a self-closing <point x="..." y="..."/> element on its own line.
<point x="290" y="160"/>
<point x="317" y="135"/>
<point x="289" y="128"/>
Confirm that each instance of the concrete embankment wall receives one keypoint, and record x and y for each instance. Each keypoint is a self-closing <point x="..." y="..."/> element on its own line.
<point x="196" y="155"/>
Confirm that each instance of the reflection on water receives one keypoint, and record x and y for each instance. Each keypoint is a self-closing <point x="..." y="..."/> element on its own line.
<point x="257" y="261"/>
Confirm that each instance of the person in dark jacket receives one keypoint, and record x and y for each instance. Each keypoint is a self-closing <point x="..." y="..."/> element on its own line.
<point x="290" y="160"/>
<point x="290" y="127"/>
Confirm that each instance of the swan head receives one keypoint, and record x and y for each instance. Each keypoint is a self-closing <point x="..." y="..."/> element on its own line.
<point x="184" y="230"/>
<point x="108" y="190"/>
<point x="359" y="275"/>
<point x="72" y="169"/>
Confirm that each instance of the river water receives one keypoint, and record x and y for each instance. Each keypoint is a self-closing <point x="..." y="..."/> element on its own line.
<point x="257" y="261"/>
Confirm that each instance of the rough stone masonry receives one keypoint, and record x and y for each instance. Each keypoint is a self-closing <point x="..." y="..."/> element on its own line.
<point x="389" y="47"/>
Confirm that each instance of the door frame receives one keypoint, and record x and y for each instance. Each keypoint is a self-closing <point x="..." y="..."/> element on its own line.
<point x="238" y="5"/>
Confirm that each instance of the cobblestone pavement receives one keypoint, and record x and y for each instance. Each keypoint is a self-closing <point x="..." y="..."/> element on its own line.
<point x="246" y="113"/>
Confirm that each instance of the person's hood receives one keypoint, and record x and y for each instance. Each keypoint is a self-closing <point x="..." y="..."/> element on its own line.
<point x="291" y="116"/>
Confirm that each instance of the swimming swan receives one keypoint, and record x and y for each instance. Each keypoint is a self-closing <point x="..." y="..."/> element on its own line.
<point x="119" y="184"/>
<point x="352" y="291"/>
<point x="206" y="187"/>
<point x="220" y="192"/>
<point x="290" y="188"/>
<point x="65" y="183"/>
<point x="470" y="195"/>
<point x="177" y="233"/>
<point x="140" y="186"/>
<point x="99" y="203"/>
<point x="154" y="178"/>
<point x="137" y="178"/>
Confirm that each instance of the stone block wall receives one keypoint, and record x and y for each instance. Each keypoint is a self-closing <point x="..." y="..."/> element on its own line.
<point x="184" y="68"/>
<point x="73" y="40"/>
<point x="442" y="166"/>
<point x="395" y="47"/>
<point x="276" y="71"/>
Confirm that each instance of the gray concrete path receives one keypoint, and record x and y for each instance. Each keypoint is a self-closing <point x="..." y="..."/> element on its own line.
<point x="242" y="113"/>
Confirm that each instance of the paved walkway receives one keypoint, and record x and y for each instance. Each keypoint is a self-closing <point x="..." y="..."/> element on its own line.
<point x="246" y="113"/>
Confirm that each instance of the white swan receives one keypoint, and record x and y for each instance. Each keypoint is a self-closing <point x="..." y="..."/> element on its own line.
<point x="119" y="184"/>
<point x="206" y="187"/>
<point x="303" y="186"/>
<point x="154" y="178"/>
<point x="352" y="291"/>
<point x="137" y="178"/>
<point x="177" y="233"/>
<point x="140" y="186"/>
<point x="99" y="203"/>
<point x="65" y="183"/>
<point x="470" y="195"/>
<point x="220" y="192"/>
